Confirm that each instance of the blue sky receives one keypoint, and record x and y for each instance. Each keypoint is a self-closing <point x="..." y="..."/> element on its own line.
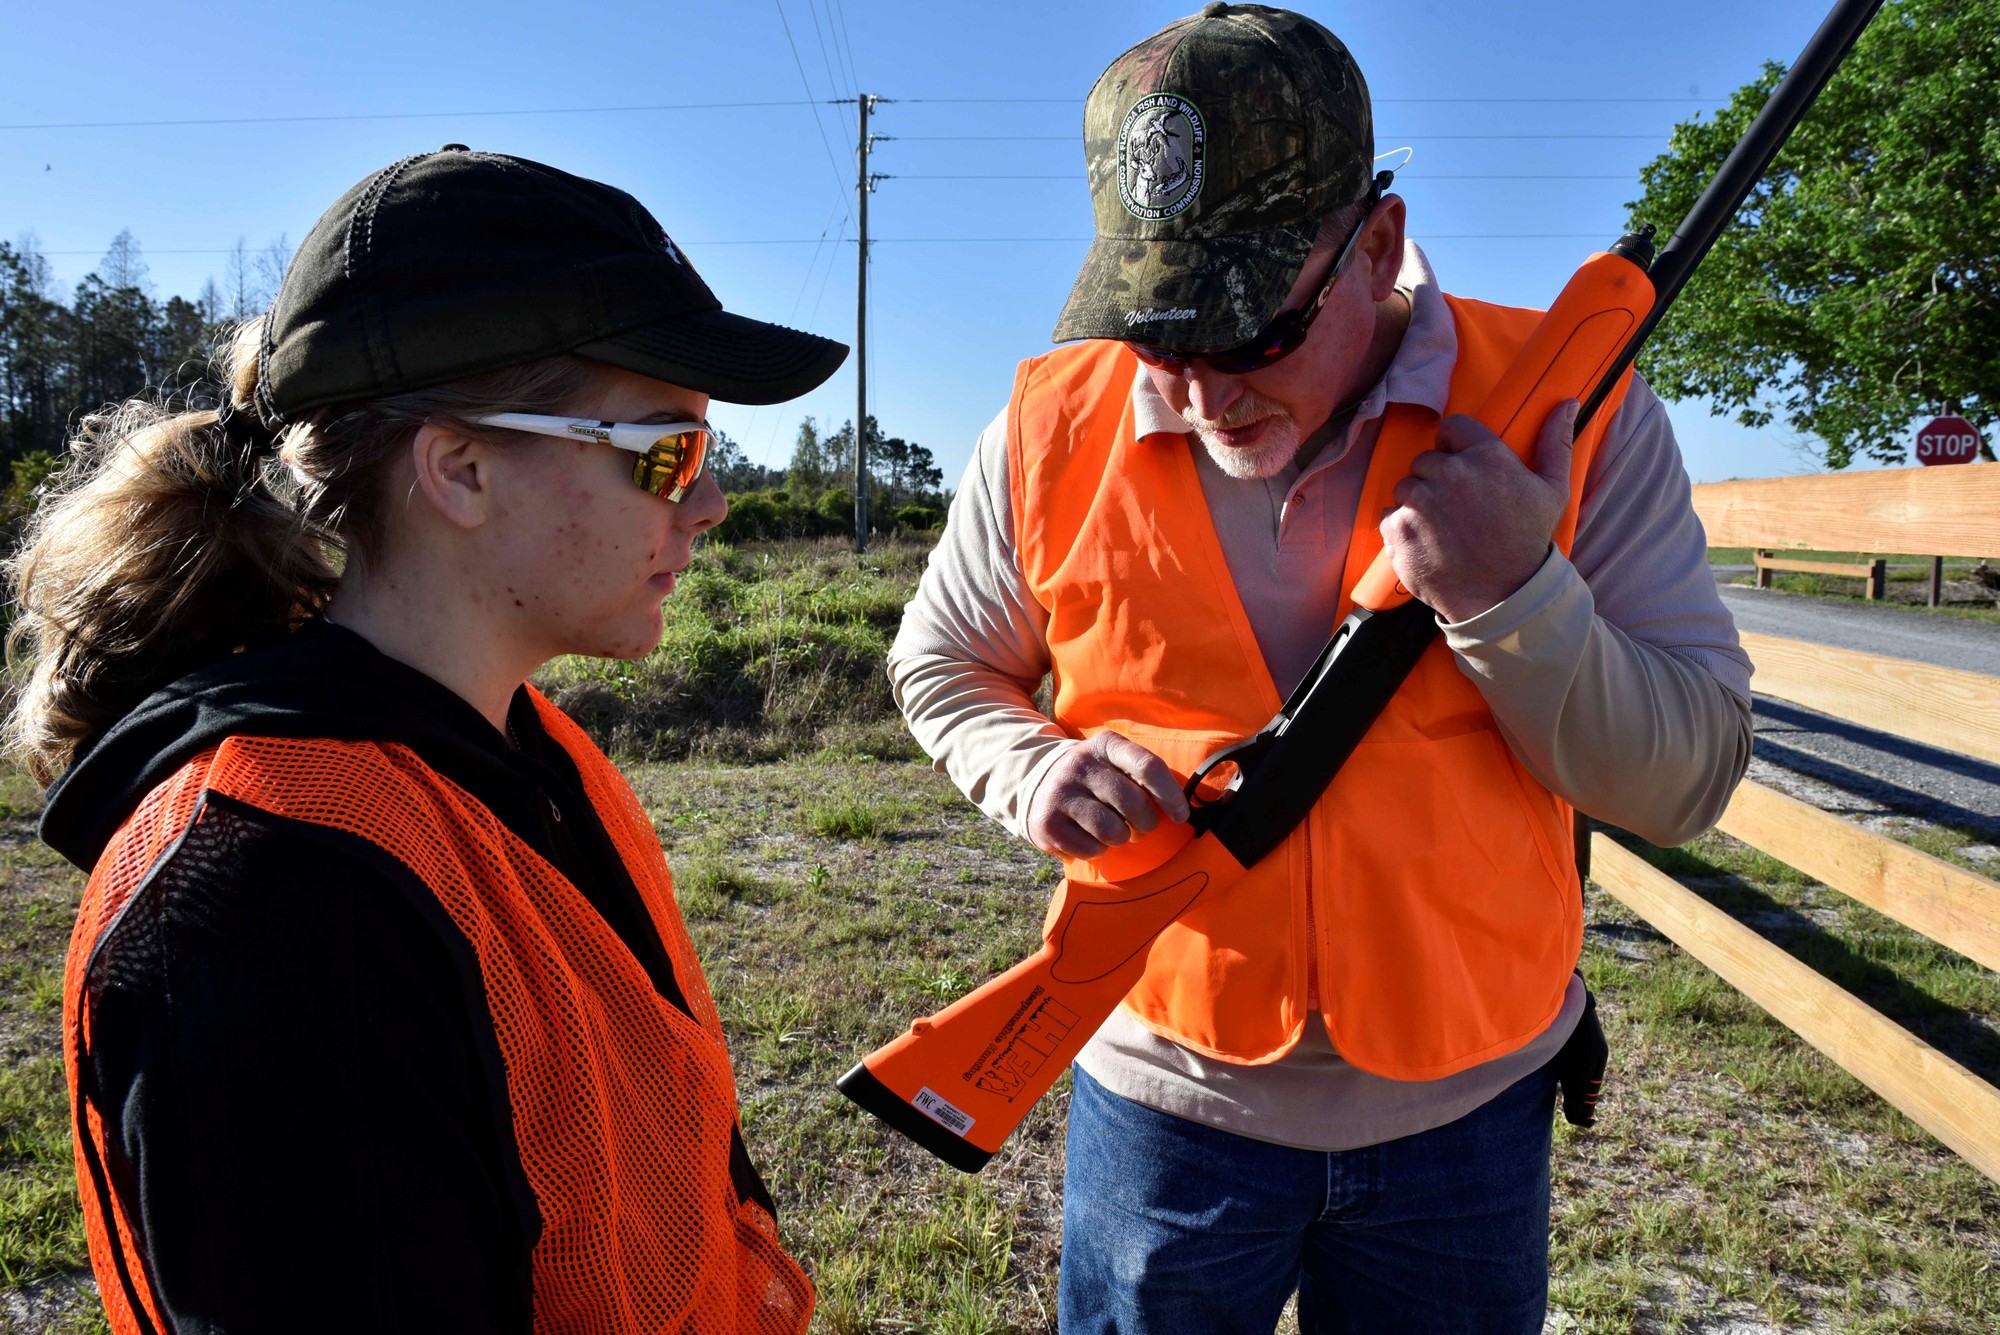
<point x="749" y="191"/>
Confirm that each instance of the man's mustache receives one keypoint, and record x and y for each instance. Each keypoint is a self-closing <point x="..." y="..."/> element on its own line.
<point x="1251" y="407"/>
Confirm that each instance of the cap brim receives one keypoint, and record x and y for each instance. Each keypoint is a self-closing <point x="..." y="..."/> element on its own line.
<point x="1192" y="295"/>
<point x="729" y="357"/>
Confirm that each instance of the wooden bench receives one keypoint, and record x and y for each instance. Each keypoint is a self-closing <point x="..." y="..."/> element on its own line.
<point x="1876" y="572"/>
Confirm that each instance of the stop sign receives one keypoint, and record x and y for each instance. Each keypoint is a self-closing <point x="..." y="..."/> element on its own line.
<point x="1947" y="440"/>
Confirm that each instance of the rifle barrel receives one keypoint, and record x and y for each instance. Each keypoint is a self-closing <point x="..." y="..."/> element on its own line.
<point x="1739" y="174"/>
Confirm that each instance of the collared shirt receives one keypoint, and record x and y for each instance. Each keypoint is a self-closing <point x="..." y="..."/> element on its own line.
<point x="1624" y="648"/>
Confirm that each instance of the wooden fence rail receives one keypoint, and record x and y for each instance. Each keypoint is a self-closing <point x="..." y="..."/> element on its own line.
<point x="1948" y="904"/>
<point x="1936" y="1092"/>
<point x="1940" y="707"/>
<point x="1955" y="510"/>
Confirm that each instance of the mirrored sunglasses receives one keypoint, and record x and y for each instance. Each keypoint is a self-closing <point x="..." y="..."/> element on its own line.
<point x="671" y="456"/>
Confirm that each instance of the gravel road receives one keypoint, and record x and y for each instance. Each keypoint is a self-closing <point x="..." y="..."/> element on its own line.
<point x="1900" y="632"/>
<point x="1857" y="771"/>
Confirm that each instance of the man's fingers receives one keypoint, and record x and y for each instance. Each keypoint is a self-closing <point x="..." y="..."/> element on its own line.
<point x="1553" y="447"/>
<point x="1151" y="774"/>
<point x="1066" y="839"/>
<point x="1098" y="819"/>
<point x="1429" y="464"/>
<point x="1100" y="794"/>
<point x="1459" y="433"/>
<point x="1116" y="791"/>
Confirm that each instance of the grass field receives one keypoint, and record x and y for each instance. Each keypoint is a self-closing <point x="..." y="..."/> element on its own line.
<point x="1737" y="1181"/>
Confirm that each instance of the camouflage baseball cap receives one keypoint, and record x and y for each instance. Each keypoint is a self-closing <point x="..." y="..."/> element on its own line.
<point x="1214" y="148"/>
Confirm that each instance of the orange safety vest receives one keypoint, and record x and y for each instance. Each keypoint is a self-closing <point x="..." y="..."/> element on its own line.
<point x="623" y="1105"/>
<point x="1431" y="894"/>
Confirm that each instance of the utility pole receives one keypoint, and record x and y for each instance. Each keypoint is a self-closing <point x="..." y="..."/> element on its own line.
<point x="862" y="188"/>
<point x="864" y="185"/>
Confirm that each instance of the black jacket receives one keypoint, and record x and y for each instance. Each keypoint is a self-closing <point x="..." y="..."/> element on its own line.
<point x="306" y="1112"/>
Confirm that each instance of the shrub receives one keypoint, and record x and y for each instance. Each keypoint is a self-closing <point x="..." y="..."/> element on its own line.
<point x="769" y="649"/>
<point x="918" y="518"/>
<point x="836" y="509"/>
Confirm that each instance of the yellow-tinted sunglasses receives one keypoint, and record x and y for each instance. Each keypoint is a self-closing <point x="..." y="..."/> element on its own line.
<point x="671" y="456"/>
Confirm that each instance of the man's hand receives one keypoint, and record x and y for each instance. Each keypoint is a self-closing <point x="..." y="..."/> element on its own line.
<point x="1099" y="795"/>
<point x="1473" y="522"/>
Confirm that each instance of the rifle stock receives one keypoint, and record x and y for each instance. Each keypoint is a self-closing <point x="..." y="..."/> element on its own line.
<point x="960" y="1081"/>
<point x="1577" y="340"/>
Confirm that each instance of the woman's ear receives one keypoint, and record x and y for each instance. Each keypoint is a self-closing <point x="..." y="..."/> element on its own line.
<point x="454" y="473"/>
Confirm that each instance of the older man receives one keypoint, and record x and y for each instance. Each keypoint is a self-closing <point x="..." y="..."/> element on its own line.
<point x="1336" y="1079"/>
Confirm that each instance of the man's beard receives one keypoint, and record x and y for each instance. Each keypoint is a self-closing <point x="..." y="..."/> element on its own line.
<point x="1266" y="458"/>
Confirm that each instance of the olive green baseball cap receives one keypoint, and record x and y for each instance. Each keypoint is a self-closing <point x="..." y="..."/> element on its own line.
<point x="458" y="262"/>
<point x="1214" y="148"/>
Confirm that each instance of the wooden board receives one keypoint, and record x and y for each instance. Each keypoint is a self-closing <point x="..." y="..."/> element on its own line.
<point x="1946" y="511"/>
<point x="1767" y="562"/>
<point x="1936" y="1092"/>
<point x="1941" y="707"/>
<point x="1948" y="904"/>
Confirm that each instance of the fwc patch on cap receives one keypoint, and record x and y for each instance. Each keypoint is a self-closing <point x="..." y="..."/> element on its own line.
<point x="1216" y="148"/>
<point x="1161" y="147"/>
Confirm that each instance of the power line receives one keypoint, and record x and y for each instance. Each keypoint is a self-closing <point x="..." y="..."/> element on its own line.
<point x="842" y="239"/>
<point x="737" y="106"/>
<point x="1070" y="138"/>
<point x="1400" y="176"/>
<point x="771" y="439"/>
<point x="840" y="186"/>
<point x="792" y="315"/>
<point x="405" y="115"/>
<point x="813" y="263"/>
<point x="826" y="59"/>
<point x="1432" y="236"/>
<point x="847" y="45"/>
<point x="1073" y="101"/>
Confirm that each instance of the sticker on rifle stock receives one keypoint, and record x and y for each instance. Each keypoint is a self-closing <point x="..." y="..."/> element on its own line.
<point x="946" y="1116"/>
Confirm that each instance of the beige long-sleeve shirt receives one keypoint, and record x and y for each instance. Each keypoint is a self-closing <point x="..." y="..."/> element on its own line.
<point x="1614" y="674"/>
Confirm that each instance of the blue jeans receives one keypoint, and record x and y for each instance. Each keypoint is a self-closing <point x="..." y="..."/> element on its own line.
<point x="1171" y="1227"/>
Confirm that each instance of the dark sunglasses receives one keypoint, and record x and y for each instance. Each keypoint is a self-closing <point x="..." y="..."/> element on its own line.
<point x="1282" y="336"/>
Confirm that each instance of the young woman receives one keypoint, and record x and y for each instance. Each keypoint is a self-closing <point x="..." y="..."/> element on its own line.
<point x="379" y="1012"/>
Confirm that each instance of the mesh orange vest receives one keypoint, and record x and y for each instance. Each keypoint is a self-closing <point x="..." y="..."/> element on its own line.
<point x="1432" y="890"/>
<point x="622" y="1105"/>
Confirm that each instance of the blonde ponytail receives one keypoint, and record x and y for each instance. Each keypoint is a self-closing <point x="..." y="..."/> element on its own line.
<point x="165" y="545"/>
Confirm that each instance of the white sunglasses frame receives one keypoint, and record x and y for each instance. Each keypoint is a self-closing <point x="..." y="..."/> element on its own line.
<point x="632" y="437"/>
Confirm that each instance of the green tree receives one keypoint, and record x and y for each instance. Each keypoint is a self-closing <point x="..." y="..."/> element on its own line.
<point x="111" y="340"/>
<point x="905" y="472"/>
<point x="116" y="329"/>
<point x="815" y="465"/>
<point x="1859" y="288"/>
<point x="733" y="470"/>
<point x="899" y="471"/>
<point x="36" y="332"/>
